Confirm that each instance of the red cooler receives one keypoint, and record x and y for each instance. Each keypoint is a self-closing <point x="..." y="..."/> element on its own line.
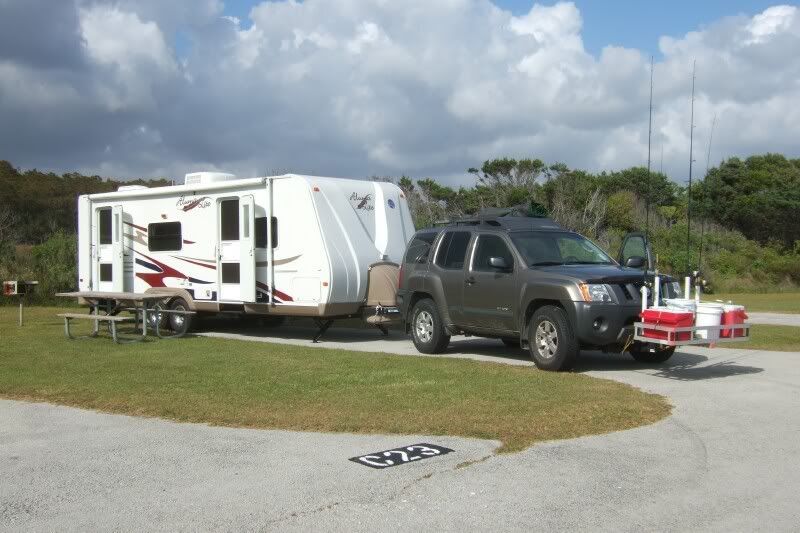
<point x="732" y="315"/>
<point x="669" y="318"/>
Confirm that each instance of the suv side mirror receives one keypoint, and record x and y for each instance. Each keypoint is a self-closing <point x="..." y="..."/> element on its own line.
<point x="499" y="263"/>
<point x="635" y="261"/>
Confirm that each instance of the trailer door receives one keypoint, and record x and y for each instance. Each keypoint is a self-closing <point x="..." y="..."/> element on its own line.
<point x="107" y="267"/>
<point x="236" y="250"/>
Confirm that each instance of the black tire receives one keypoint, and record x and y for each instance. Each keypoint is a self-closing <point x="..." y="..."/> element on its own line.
<point x="641" y="352"/>
<point x="179" y="324"/>
<point x="551" y="339"/>
<point x="511" y="343"/>
<point x="427" y="328"/>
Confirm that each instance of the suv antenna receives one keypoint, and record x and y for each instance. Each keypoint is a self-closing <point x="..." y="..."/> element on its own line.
<point x="689" y="191"/>
<point x="649" y="145"/>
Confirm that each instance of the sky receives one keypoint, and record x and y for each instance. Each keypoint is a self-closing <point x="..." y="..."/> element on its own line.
<point x="355" y="88"/>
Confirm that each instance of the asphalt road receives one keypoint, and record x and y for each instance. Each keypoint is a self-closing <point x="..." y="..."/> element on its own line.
<point x="774" y="319"/>
<point x="727" y="459"/>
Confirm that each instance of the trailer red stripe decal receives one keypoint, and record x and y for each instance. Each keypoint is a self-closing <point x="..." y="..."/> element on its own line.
<point x="282" y="295"/>
<point x="157" y="279"/>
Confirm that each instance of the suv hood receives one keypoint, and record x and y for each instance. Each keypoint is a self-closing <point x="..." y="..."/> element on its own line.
<point x="596" y="273"/>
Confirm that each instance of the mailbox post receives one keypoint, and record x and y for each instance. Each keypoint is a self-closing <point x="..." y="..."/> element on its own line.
<point x="19" y="289"/>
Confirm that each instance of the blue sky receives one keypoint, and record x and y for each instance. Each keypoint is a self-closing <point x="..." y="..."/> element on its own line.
<point x="629" y="23"/>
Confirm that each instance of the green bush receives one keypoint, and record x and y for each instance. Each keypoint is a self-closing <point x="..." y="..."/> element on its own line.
<point x="54" y="265"/>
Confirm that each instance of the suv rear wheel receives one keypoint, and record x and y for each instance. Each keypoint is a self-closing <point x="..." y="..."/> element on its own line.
<point x="552" y="342"/>
<point x="427" y="328"/>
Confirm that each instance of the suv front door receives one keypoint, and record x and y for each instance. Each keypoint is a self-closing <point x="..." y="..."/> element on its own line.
<point x="490" y="291"/>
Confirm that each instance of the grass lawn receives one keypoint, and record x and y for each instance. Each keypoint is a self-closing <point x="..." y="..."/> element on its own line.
<point x="246" y="384"/>
<point x="783" y="302"/>
<point x="778" y="338"/>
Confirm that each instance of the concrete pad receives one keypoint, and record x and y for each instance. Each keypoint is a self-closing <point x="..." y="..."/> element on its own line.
<point x="774" y="319"/>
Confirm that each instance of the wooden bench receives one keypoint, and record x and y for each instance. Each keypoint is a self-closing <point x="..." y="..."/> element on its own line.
<point x="112" y="320"/>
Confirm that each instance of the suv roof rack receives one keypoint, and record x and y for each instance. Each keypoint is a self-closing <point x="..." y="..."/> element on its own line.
<point x="509" y="218"/>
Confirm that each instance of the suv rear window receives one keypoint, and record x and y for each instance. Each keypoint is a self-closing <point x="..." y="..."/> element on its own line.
<point x="419" y="247"/>
<point x="453" y="250"/>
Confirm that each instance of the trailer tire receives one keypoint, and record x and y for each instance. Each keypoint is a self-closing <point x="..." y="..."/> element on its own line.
<point x="179" y="324"/>
<point x="640" y="352"/>
<point x="551" y="339"/>
<point x="427" y="328"/>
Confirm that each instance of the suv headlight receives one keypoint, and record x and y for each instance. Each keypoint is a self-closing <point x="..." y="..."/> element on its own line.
<point x="595" y="292"/>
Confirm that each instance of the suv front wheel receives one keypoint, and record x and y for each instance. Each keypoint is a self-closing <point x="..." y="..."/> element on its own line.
<point x="552" y="342"/>
<point x="427" y="328"/>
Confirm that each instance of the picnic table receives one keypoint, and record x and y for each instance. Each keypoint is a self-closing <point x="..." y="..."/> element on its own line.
<point x="111" y="304"/>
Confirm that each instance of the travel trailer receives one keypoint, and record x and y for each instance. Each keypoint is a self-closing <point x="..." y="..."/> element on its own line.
<point x="286" y="245"/>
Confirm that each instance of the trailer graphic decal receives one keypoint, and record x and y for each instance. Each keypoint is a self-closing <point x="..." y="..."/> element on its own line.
<point x="197" y="262"/>
<point x="189" y="204"/>
<point x="275" y="292"/>
<point x="156" y="279"/>
<point x="362" y="202"/>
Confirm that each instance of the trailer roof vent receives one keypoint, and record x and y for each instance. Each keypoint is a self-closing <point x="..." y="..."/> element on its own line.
<point x="196" y="178"/>
<point x="131" y="187"/>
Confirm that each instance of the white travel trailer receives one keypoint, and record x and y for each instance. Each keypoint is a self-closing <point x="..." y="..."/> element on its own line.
<point x="285" y="245"/>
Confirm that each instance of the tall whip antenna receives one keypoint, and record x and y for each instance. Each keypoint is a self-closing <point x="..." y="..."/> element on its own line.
<point x="708" y="164"/>
<point x="649" y="144"/>
<point x="689" y="192"/>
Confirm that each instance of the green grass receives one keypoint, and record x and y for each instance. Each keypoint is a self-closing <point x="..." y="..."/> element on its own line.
<point x="246" y="384"/>
<point x="777" y="338"/>
<point x="782" y="302"/>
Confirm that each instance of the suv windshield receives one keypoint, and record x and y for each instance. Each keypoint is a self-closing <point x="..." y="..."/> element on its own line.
<point x="542" y="248"/>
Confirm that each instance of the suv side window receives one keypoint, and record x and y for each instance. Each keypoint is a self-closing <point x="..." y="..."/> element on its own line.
<point x="453" y="250"/>
<point x="490" y="246"/>
<point x="419" y="247"/>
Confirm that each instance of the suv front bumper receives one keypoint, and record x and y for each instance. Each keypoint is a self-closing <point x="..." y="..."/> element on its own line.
<point x="602" y="324"/>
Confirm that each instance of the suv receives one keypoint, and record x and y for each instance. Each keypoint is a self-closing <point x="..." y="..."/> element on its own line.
<point x="528" y="282"/>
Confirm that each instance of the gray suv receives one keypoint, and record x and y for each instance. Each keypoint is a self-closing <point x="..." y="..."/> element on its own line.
<point x="528" y="282"/>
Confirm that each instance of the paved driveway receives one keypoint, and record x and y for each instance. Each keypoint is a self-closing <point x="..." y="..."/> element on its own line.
<point x="727" y="459"/>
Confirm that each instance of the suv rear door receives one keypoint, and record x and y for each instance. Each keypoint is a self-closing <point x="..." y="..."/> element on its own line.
<point x="449" y="265"/>
<point x="489" y="291"/>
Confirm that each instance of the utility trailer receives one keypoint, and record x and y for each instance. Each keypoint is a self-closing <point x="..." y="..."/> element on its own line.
<point x="289" y="245"/>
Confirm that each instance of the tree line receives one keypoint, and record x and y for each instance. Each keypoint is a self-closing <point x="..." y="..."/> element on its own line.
<point x="745" y="228"/>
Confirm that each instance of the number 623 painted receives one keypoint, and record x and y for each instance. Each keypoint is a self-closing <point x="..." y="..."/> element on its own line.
<point x="402" y="455"/>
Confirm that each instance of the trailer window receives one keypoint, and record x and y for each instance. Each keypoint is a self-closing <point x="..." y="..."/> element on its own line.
<point x="164" y="237"/>
<point x="105" y="226"/>
<point x="229" y="220"/>
<point x="261" y="232"/>
<point x="106" y="272"/>
<point x="230" y="272"/>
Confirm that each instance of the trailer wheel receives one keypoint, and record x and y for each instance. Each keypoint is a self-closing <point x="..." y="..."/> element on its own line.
<point x="427" y="328"/>
<point x="153" y="318"/>
<point x="552" y="342"/>
<point x="641" y="352"/>
<point x="179" y="324"/>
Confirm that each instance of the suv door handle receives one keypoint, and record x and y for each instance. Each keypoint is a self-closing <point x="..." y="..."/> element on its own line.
<point x="469" y="281"/>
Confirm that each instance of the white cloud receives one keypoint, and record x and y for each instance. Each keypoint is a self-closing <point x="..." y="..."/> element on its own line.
<point x="357" y="87"/>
